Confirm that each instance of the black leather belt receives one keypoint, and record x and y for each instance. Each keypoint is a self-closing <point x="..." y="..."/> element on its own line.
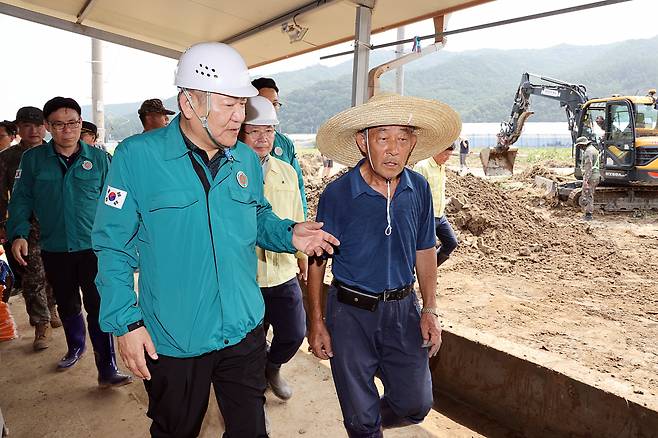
<point x="356" y="297"/>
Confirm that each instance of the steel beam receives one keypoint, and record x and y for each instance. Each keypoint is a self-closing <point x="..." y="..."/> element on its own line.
<point x="276" y="21"/>
<point x="86" y="9"/>
<point x="81" y="29"/>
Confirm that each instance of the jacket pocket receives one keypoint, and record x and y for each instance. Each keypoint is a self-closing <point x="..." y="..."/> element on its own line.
<point x="173" y="199"/>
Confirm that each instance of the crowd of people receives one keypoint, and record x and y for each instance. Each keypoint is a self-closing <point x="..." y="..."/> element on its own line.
<point x="209" y="207"/>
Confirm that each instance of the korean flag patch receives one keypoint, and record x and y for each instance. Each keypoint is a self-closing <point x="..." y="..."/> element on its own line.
<point x="115" y="197"/>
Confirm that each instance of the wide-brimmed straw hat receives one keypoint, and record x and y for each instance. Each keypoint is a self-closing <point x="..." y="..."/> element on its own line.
<point x="436" y="125"/>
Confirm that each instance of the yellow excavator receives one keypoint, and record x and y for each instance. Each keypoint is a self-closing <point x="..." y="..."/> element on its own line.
<point x="624" y="128"/>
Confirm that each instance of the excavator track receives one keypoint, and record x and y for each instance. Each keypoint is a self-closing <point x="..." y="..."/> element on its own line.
<point x="626" y="198"/>
<point x="613" y="198"/>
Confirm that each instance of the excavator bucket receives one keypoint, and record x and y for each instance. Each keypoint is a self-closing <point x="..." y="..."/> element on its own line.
<point x="497" y="162"/>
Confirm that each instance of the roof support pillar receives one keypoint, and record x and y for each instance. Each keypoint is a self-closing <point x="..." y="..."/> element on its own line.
<point x="361" y="55"/>
<point x="97" y="105"/>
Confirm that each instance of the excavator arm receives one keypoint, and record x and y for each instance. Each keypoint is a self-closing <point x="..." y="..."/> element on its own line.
<point x="499" y="160"/>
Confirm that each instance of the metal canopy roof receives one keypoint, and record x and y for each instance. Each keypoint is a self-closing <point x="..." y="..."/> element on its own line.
<point x="253" y="27"/>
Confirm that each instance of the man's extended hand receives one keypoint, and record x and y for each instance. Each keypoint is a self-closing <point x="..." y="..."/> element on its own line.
<point x="319" y="341"/>
<point x="430" y="329"/>
<point x="131" y="349"/>
<point x="19" y="250"/>
<point x="309" y="238"/>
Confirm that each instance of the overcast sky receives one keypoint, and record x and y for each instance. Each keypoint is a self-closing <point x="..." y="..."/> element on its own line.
<point x="41" y="62"/>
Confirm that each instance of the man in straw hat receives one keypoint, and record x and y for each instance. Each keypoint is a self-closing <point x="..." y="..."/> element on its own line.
<point x="382" y="213"/>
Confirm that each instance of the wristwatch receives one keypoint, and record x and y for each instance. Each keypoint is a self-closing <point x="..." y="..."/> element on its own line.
<point x="135" y="325"/>
<point x="433" y="310"/>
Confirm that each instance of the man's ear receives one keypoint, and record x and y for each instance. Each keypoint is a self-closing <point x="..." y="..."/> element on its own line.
<point x="185" y="106"/>
<point x="360" y="138"/>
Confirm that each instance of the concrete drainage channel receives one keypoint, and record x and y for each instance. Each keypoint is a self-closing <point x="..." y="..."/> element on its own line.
<point x="523" y="391"/>
<point x="501" y="389"/>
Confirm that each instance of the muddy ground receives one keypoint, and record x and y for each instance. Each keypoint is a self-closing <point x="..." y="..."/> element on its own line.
<point x="39" y="402"/>
<point x="533" y="272"/>
<point x="526" y="270"/>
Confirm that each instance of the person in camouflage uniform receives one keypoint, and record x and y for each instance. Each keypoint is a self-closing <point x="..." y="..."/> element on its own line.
<point x="589" y="164"/>
<point x="39" y="301"/>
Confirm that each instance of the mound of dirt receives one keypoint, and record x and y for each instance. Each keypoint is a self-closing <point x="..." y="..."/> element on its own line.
<point x="499" y="229"/>
<point x="311" y="165"/>
<point x="530" y="173"/>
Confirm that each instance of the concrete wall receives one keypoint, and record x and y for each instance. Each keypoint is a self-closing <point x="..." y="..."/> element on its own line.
<point x="521" y="390"/>
<point x="533" y="399"/>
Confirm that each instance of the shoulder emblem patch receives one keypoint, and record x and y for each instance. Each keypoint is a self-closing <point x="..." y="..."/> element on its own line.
<point x="18" y="173"/>
<point x="87" y="165"/>
<point x="278" y="151"/>
<point x="242" y="179"/>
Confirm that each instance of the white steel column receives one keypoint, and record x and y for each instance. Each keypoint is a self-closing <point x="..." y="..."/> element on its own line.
<point x="361" y="55"/>
<point x="399" y="72"/>
<point x="97" y="106"/>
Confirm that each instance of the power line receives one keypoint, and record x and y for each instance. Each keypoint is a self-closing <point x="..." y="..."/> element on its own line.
<point x="489" y="25"/>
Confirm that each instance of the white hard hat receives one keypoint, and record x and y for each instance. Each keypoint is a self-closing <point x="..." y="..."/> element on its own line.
<point x="216" y="68"/>
<point x="260" y="111"/>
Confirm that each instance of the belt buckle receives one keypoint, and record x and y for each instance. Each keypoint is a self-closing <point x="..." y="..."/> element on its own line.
<point x="386" y="295"/>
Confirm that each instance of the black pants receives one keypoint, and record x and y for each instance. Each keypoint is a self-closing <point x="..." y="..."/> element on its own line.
<point x="179" y="389"/>
<point x="284" y="310"/>
<point x="68" y="273"/>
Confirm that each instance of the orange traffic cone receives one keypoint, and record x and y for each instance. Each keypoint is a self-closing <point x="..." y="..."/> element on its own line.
<point x="8" y="329"/>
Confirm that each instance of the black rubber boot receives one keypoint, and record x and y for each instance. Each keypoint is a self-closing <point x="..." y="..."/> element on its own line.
<point x="108" y="373"/>
<point x="74" y="331"/>
<point x="279" y="386"/>
<point x="441" y="258"/>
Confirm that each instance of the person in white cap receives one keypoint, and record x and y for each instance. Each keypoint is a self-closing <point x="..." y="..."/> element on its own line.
<point x="382" y="213"/>
<point x="277" y="273"/>
<point x="185" y="205"/>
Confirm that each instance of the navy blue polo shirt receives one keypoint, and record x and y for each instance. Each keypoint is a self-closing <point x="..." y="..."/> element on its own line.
<point x="356" y="214"/>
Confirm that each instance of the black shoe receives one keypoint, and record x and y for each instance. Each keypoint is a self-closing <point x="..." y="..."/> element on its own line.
<point x="588" y="217"/>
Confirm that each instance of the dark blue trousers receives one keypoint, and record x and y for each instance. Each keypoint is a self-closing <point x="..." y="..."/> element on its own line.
<point x="284" y="311"/>
<point x="446" y="236"/>
<point x="386" y="342"/>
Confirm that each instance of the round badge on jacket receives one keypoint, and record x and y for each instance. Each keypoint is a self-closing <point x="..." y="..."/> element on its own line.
<point x="242" y="179"/>
<point x="87" y="165"/>
<point x="278" y="151"/>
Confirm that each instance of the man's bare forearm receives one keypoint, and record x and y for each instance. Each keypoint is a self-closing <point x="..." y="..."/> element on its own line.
<point x="426" y="271"/>
<point x="316" y="270"/>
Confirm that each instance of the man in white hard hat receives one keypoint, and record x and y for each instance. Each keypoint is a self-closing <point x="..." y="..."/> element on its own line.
<point x="383" y="213"/>
<point x="185" y="205"/>
<point x="277" y="273"/>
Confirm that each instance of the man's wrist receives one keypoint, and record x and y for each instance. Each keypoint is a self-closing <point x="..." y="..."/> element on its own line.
<point x="316" y="320"/>
<point x="135" y="325"/>
<point x="430" y="310"/>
